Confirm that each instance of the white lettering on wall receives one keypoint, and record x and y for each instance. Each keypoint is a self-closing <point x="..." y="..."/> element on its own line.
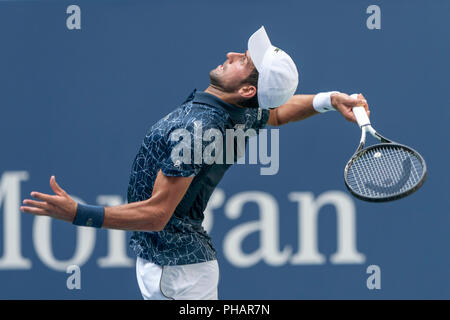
<point x="10" y="199"/>
<point x="308" y="210"/>
<point x="267" y="226"/>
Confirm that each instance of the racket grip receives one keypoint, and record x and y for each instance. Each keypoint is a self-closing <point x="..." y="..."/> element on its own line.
<point x="360" y="114"/>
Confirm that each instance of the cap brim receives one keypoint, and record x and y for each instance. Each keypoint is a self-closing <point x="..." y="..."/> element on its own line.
<point x="258" y="44"/>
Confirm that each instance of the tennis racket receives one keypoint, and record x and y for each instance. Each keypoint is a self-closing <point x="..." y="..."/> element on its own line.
<point x="385" y="171"/>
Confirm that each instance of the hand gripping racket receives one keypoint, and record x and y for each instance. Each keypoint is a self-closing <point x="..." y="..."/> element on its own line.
<point x="385" y="171"/>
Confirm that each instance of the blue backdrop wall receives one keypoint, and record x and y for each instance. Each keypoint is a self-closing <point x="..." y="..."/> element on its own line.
<point x="77" y="103"/>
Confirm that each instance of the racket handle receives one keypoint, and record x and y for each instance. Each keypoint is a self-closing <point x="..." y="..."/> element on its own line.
<point x="360" y="114"/>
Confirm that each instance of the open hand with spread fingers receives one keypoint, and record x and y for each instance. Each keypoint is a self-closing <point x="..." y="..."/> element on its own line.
<point x="59" y="206"/>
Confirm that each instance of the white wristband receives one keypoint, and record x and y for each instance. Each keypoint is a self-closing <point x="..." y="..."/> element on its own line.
<point x="322" y="102"/>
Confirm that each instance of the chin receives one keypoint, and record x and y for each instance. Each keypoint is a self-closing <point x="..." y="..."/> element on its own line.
<point x="214" y="79"/>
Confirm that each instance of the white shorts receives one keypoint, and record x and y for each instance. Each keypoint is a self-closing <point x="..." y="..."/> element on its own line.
<point x="196" y="281"/>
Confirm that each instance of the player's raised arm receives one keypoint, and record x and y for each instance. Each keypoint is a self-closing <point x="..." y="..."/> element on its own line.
<point x="148" y="215"/>
<point x="300" y="107"/>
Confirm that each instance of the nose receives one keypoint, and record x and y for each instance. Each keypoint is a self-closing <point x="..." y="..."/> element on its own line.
<point x="233" y="55"/>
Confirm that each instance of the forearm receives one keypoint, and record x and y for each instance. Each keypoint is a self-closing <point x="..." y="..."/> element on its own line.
<point x="302" y="106"/>
<point x="149" y="215"/>
<point x="297" y="108"/>
<point x="136" y="216"/>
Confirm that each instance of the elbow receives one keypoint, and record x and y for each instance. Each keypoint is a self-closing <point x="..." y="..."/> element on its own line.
<point x="274" y="121"/>
<point x="160" y="220"/>
<point x="277" y="120"/>
<point x="156" y="225"/>
<point x="279" y="123"/>
<point x="153" y="226"/>
<point x="159" y="227"/>
<point x="158" y="211"/>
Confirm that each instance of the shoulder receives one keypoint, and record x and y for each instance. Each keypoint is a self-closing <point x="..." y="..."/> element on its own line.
<point x="256" y="118"/>
<point x="194" y="115"/>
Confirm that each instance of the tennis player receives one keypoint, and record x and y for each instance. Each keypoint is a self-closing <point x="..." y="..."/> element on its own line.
<point x="167" y="198"/>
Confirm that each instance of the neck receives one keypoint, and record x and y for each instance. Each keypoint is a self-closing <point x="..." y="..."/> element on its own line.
<point x="227" y="97"/>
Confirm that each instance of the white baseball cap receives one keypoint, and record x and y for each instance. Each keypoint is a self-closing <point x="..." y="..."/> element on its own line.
<point x="278" y="75"/>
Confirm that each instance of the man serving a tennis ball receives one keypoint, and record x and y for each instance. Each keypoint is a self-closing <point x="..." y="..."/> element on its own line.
<point x="166" y="198"/>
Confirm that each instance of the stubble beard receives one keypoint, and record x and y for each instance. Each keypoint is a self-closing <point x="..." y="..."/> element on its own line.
<point x="216" y="81"/>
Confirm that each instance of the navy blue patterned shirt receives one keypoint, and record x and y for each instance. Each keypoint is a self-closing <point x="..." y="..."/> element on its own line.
<point x="183" y="240"/>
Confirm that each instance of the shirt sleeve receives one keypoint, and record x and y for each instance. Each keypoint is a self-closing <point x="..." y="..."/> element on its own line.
<point x="261" y="118"/>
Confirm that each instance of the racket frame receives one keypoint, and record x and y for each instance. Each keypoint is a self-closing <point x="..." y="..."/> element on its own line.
<point x="361" y="151"/>
<point x="364" y="124"/>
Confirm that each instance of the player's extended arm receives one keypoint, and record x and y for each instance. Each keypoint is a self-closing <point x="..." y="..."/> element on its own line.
<point x="300" y="107"/>
<point x="148" y="215"/>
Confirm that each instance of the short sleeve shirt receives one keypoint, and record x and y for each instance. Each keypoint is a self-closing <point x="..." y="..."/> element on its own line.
<point x="175" y="145"/>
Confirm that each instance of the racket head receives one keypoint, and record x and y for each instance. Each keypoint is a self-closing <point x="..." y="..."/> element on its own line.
<point x="385" y="172"/>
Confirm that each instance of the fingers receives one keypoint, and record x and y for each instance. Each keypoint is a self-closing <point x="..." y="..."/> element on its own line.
<point x="345" y="104"/>
<point x="44" y="197"/>
<point x="361" y="101"/>
<point x="45" y="208"/>
<point x="361" y="98"/>
<point x="350" y="116"/>
<point x="55" y="206"/>
<point x="365" y="104"/>
<point x="33" y="210"/>
<point x="37" y="204"/>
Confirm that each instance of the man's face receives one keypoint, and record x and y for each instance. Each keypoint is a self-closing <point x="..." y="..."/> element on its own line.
<point x="229" y="76"/>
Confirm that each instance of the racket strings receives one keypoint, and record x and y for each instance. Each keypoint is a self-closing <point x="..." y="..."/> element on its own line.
<point x="384" y="171"/>
<point x="386" y="168"/>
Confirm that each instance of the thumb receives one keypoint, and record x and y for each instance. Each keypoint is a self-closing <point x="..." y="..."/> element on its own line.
<point x="55" y="186"/>
<point x="357" y="100"/>
<point x="353" y="101"/>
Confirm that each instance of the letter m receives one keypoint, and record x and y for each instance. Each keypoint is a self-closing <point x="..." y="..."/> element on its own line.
<point x="10" y="201"/>
<point x="308" y="210"/>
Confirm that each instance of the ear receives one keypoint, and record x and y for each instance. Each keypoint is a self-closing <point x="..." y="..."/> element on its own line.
<point x="247" y="91"/>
